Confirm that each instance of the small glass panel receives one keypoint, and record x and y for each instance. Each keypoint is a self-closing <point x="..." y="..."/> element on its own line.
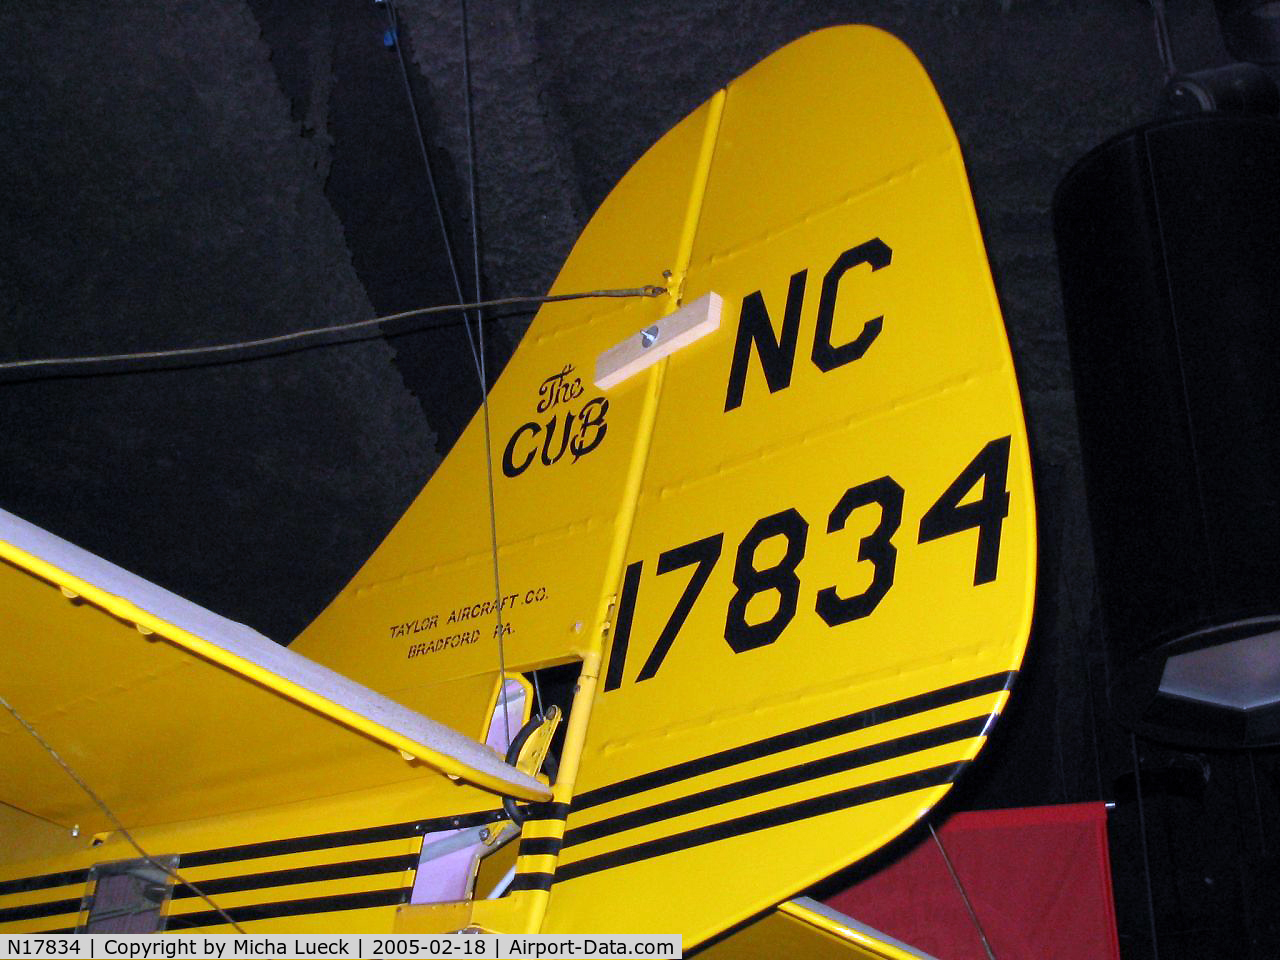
<point x="127" y="897"/>
<point x="1243" y="674"/>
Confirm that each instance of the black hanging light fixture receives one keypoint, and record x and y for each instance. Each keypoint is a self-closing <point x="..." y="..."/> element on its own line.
<point x="1251" y="29"/>
<point x="1169" y="247"/>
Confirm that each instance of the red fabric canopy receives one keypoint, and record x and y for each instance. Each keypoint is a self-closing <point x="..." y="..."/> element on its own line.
<point x="1039" y="879"/>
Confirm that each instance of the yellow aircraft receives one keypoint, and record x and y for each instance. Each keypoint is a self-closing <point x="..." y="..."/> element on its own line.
<point x="773" y="524"/>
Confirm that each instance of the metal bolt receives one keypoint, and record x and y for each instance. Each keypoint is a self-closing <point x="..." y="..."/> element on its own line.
<point x="648" y="335"/>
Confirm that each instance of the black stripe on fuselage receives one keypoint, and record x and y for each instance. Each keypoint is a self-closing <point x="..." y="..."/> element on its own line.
<point x="789" y="776"/>
<point x="44" y="881"/>
<point x="313" y="874"/>
<point x="545" y="810"/>
<point x="290" y="908"/>
<point x="340" y="838"/>
<point x="778" y="743"/>
<point x="531" y="881"/>
<point x="276" y="848"/>
<point x="540" y="846"/>
<point x="788" y="813"/>
<point x="274" y="878"/>
<point x="30" y="911"/>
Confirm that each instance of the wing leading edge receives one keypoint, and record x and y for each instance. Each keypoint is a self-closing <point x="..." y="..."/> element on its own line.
<point x="95" y="587"/>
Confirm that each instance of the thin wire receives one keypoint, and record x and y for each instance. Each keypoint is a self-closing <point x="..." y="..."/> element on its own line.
<point x="30" y="813"/>
<point x="1163" y="45"/>
<point x="393" y="21"/>
<point x="986" y="945"/>
<point x="1257" y="805"/>
<point x="476" y="352"/>
<point x="120" y="827"/>
<point x="482" y="373"/>
<point x="1242" y="866"/>
<point x="1084" y="636"/>
<point x="301" y="339"/>
<point x="474" y="206"/>
<point x="477" y="348"/>
<point x="1142" y="835"/>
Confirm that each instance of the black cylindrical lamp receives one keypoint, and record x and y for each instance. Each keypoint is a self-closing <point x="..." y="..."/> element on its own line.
<point x="1169" y="246"/>
<point x="1251" y="29"/>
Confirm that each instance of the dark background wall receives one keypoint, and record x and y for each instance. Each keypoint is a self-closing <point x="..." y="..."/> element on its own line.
<point x="182" y="173"/>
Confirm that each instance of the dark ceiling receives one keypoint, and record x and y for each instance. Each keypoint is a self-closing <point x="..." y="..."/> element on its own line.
<point x="190" y="173"/>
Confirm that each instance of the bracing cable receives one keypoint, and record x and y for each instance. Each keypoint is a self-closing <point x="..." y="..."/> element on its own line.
<point x="243" y="350"/>
<point x="120" y="827"/>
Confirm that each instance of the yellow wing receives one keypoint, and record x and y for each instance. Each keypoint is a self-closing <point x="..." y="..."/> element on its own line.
<point x="804" y="928"/>
<point x="82" y="661"/>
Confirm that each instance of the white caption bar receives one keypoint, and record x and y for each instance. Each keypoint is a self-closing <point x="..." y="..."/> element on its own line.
<point x="229" y="946"/>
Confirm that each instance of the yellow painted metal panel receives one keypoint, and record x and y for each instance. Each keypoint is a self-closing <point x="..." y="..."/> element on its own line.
<point x="64" y="921"/>
<point x="777" y="935"/>
<point x="809" y="913"/>
<point x="827" y="595"/>
<point x="84" y="578"/>
<point x="421" y="608"/>
<point x="334" y="864"/>
<point x="163" y="735"/>
<point x="800" y="933"/>
<point x="365" y="920"/>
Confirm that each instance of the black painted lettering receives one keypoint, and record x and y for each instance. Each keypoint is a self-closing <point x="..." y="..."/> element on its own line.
<point x="827" y="357"/>
<point x="590" y="419"/>
<point x="751" y="582"/>
<point x="777" y="353"/>
<point x="509" y="466"/>
<point x="547" y="458"/>
<point x="987" y="513"/>
<point x="704" y="553"/>
<point x="877" y="547"/>
<point x="622" y="629"/>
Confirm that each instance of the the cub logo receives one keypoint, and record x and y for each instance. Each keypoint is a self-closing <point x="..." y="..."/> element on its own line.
<point x="576" y="432"/>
